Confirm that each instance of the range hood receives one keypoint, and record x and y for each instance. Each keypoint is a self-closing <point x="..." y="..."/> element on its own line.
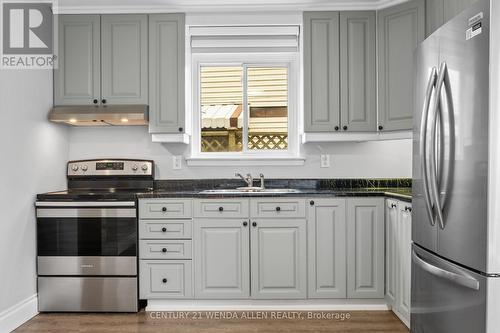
<point x="107" y="115"/>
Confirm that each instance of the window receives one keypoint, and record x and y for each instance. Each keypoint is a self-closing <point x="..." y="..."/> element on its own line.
<point x="244" y="82"/>
<point x="246" y="108"/>
<point x="243" y="108"/>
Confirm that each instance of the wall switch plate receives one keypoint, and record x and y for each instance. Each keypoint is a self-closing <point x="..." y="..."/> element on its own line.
<point x="325" y="161"/>
<point x="177" y="162"/>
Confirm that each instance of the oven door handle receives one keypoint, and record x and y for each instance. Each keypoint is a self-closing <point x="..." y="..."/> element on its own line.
<point x="85" y="204"/>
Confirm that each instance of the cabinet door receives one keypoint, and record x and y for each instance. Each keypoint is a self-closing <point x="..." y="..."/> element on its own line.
<point x="454" y="7"/>
<point x="77" y="80"/>
<point x="321" y="72"/>
<point x="326" y="232"/>
<point x="434" y="15"/>
<point x="404" y="261"/>
<point x="391" y="251"/>
<point x="278" y="250"/>
<point x="357" y="71"/>
<point x="221" y="258"/>
<point x="124" y="59"/>
<point x="365" y="248"/>
<point x="401" y="28"/>
<point x="166" y="73"/>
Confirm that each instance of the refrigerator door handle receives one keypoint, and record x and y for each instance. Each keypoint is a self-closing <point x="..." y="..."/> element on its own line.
<point x="423" y="142"/>
<point x="465" y="281"/>
<point x="436" y="111"/>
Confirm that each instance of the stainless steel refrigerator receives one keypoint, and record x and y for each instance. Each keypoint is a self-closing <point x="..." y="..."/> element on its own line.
<point x="456" y="176"/>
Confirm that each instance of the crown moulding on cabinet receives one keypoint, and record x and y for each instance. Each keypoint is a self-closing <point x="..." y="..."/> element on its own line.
<point x="192" y="6"/>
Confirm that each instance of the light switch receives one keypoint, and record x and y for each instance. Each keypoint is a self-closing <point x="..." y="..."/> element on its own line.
<point x="325" y="160"/>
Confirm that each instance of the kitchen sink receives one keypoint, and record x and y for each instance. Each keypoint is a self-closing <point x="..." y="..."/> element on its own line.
<point x="252" y="190"/>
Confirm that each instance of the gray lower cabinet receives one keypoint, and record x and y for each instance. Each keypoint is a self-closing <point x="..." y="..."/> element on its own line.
<point x="165" y="249"/>
<point x="161" y="279"/>
<point x="365" y="248"/>
<point x="391" y="253"/>
<point x="439" y="12"/>
<point x="326" y="233"/>
<point x="77" y="81"/>
<point x="278" y="260"/>
<point x="398" y="257"/>
<point x="357" y="71"/>
<point x="400" y="29"/>
<point x="321" y="71"/>
<point x="166" y="73"/>
<point x="124" y="59"/>
<point x="222" y="258"/>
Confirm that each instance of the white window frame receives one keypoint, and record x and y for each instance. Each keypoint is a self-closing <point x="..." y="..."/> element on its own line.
<point x="289" y="60"/>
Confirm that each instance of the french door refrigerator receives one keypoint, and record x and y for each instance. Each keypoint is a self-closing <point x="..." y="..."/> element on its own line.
<point x="456" y="176"/>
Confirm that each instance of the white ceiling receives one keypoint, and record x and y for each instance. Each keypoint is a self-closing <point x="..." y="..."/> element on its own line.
<point x="152" y="6"/>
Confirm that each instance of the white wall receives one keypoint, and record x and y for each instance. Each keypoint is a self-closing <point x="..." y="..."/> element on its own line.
<point x="33" y="153"/>
<point x="348" y="160"/>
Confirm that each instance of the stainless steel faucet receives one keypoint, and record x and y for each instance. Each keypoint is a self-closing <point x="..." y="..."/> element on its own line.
<point x="248" y="179"/>
<point x="262" y="181"/>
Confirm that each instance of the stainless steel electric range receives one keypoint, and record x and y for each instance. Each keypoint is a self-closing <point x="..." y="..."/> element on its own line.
<point x="87" y="237"/>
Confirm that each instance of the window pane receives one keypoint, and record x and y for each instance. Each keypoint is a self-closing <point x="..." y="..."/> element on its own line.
<point x="268" y="108"/>
<point x="221" y="93"/>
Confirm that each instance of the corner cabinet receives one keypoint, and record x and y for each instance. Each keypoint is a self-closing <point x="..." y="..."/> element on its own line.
<point x="438" y="12"/>
<point x="339" y="71"/>
<point x="166" y="73"/>
<point x="398" y="257"/>
<point x="102" y="60"/>
<point x="365" y="248"/>
<point x="400" y="29"/>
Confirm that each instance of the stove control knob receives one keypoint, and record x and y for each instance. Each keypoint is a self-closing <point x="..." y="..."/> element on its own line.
<point x="144" y="167"/>
<point x="74" y="167"/>
<point x="135" y="167"/>
<point x="84" y="168"/>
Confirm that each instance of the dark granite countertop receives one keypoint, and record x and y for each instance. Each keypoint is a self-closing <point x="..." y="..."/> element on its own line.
<point x="396" y="193"/>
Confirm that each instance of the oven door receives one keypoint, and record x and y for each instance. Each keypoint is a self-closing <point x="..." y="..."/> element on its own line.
<point x="87" y="240"/>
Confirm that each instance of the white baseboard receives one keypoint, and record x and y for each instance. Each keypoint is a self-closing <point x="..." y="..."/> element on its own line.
<point x="267" y="305"/>
<point x="18" y="314"/>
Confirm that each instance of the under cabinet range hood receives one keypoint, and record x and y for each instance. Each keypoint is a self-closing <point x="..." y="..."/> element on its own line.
<point x="107" y="115"/>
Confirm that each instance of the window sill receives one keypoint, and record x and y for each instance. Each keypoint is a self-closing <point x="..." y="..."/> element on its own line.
<point x="245" y="161"/>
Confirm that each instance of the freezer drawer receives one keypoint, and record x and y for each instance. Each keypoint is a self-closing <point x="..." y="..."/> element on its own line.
<point x="445" y="298"/>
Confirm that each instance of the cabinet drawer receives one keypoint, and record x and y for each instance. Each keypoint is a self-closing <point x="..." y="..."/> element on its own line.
<point x="165" y="279"/>
<point x="230" y="208"/>
<point x="276" y="208"/>
<point x="165" y="208"/>
<point x="161" y="229"/>
<point x="165" y="249"/>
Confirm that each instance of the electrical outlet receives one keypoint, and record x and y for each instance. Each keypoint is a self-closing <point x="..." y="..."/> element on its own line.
<point x="325" y="161"/>
<point x="177" y="162"/>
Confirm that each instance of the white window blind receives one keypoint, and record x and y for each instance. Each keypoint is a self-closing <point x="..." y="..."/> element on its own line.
<point x="244" y="38"/>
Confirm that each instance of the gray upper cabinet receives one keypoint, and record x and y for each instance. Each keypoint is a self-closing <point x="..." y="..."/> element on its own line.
<point x="279" y="258"/>
<point x="321" y="71"/>
<point x="439" y="12"/>
<point x="326" y="232"/>
<point x="77" y="80"/>
<point x="102" y="59"/>
<point x="221" y="260"/>
<point x="166" y="73"/>
<point x="365" y="248"/>
<point x="400" y="29"/>
<point x="124" y="59"/>
<point x="357" y="71"/>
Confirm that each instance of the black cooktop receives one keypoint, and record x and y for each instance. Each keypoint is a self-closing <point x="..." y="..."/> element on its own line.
<point x="110" y="194"/>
